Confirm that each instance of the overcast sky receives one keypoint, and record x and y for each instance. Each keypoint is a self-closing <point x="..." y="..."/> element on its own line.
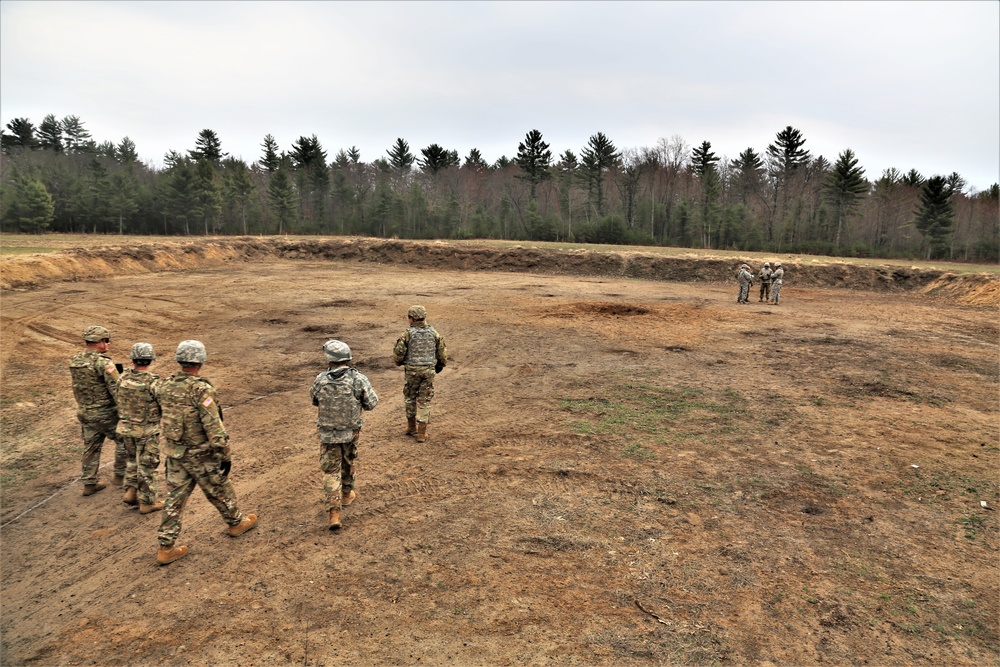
<point x="902" y="84"/>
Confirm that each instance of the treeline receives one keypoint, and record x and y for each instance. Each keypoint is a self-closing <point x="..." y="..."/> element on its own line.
<point x="55" y="177"/>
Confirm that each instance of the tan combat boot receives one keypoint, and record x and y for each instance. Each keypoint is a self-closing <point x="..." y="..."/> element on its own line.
<point x="149" y="509"/>
<point x="421" y="431"/>
<point x="118" y="480"/>
<point x="91" y="489"/>
<point x="335" y="519"/>
<point x="411" y="426"/>
<point x="167" y="555"/>
<point x="131" y="497"/>
<point x="249" y="521"/>
<point x="349" y="498"/>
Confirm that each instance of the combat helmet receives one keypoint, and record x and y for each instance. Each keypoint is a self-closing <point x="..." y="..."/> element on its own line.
<point x="142" y="351"/>
<point x="777" y="264"/>
<point x="191" y="352"/>
<point x="95" y="334"/>
<point x="767" y="264"/>
<point x="417" y="312"/>
<point x="336" y="351"/>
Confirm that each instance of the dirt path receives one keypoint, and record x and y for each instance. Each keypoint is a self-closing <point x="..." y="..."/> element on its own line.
<point x="620" y="471"/>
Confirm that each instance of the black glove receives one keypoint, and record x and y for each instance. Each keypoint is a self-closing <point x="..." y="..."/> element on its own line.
<point x="225" y="467"/>
<point x="438" y="367"/>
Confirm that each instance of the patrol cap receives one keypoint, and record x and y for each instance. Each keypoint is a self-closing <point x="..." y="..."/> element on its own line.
<point x="335" y="350"/>
<point x="191" y="352"/>
<point x="95" y="334"/>
<point x="417" y="312"/>
<point x="142" y="351"/>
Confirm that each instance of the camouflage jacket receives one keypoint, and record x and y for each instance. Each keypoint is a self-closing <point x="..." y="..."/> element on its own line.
<point x="341" y="394"/>
<point x="191" y="416"/>
<point x="744" y="277"/>
<point x="138" y="408"/>
<point x="778" y="276"/>
<point x="420" y="345"/>
<point x="765" y="275"/>
<point x="95" y="379"/>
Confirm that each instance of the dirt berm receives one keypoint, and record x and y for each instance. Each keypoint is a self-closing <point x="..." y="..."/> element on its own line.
<point x="98" y="262"/>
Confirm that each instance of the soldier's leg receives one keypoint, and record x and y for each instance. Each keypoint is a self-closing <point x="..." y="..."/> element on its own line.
<point x="218" y="490"/>
<point x="410" y="387"/>
<point x="147" y="465"/>
<point x="121" y="457"/>
<point x="93" y="440"/>
<point x="132" y="464"/>
<point x="180" y="484"/>
<point x="348" y="467"/>
<point x="330" y="462"/>
<point x="425" y="392"/>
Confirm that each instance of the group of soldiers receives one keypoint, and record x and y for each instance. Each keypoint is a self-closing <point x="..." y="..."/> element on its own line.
<point x="770" y="282"/>
<point x="144" y="414"/>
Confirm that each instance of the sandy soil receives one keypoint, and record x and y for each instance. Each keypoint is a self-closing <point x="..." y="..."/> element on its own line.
<point x="620" y="471"/>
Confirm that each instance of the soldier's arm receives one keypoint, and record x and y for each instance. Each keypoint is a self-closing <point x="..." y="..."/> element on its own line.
<point x="442" y="351"/>
<point x="369" y="399"/>
<point x="399" y="351"/>
<point x="211" y="417"/>
<point x="110" y="376"/>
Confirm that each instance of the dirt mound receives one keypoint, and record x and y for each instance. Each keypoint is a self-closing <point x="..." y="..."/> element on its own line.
<point x="101" y="262"/>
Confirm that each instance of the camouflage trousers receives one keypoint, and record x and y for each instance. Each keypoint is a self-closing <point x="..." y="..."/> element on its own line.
<point x="775" y="292"/>
<point x="95" y="430"/>
<point x="143" y="461"/>
<point x="418" y="390"/>
<point x="765" y="291"/>
<point x="744" y="293"/>
<point x="201" y="469"/>
<point x="336" y="460"/>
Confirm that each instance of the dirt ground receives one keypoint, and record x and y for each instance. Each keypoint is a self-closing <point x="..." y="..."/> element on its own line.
<point x="620" y="470"/>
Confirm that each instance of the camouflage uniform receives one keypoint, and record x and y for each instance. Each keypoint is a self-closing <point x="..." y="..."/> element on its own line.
<point x="776" y="282"/>
<point x="422" y="352"/>
<point x="340" y="393"/>
<point x="94" y="381"/>
<point x="139" y="428"/>
<point x="765" y="282"/>
<point x="745" y="280"/>
<point x="195" y="443"/>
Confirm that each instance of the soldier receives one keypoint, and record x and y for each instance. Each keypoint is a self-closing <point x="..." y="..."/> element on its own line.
<point x="765" y="282"/>
<point x="776" y="282"/>
<point x="340" y="393"/>
<point x="197" y="449"/>
<point x="139" y="428"/>
<point x="421" y="351"/>
<point x="745" y="280"/>
<point x="95" y="378"/>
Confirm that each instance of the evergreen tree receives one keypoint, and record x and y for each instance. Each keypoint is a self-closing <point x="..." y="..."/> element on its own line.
<point x="703" y="162"/>
<point x="22" y="135"/>
<point x="435" y="158"/>
<point x="122" y="197"/>
<point x="535" y="160"/>
<point x="935" y="217"/>
<point x="281" y="194"/>
<point x="181" y="197"/>
<point x="787" y="151"/>
<point x="843" y="187"/>
<point x="354" y="155"/>
<point x="749" y="170"/>
<point x="208" y="146"/>
<point x="703" y="159"/>
<point x="31" y="209"/>
<point x="598" y="157"/>
<point x="502" y="163"/>
<point x="50" y="134"/>
<point x="125" y="152"/>
<point x="474" y="161"/>
<point x="270" y="160"/>
<point x="77" y="137"/>
<point x="400" y="156"/>
<point x="207" y="193"/>
<point x="567" y="168"/>
<point x="913" y="178"/>
<point x="237" y="186"/>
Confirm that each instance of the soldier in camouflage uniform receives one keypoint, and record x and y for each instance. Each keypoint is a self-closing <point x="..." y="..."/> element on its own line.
<point x="340" y="393"/>
<point x="139" y="428"/>
<point x="745" y="280"/>
<point x="422" y="353"/>
<point x="197" y="449"/>
<point x="777" y="280"/>
<point x="95" y="378"/>
<point x="765" y="282"/>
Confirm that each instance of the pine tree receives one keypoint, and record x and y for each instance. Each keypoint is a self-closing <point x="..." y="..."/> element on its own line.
<point x="598" y="157"/>
<point x="237" y="186"/>
<point x="208" y="193"/>
<point x="125" y="152"/>
<point x="77" y="137"/>
<point x="843" y="188"/>
<point x="435" y="158"/>
<point x="207" y="146"/>
<point x="535" y="160"/>
<point x="703" y="162"/>
<point x="474" y="160"/>
<point x="270" y="160"/>
<point x="121" y="196"/>
<point x="22" y="135"/>
<point x="935" y="217"/>
<point x="50" y="134"/>
<point x="32" y="209"/>
<point x="281" y="194"/>
<point x="400" y="156"/>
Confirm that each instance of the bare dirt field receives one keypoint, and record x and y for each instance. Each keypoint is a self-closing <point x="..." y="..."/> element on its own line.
<point x="625" y="467"/>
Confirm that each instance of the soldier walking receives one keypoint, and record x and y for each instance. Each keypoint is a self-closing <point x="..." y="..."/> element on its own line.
<point x="95" y="379"/>
<point x="196" y="445"/>
<point x="765" y="282"/>
<point x="777" y="279"/>
<point x="341" y="393"/>
<point x="422" y="353"/>
<point x="139" y="429"/>
<point x="745" y="280"/>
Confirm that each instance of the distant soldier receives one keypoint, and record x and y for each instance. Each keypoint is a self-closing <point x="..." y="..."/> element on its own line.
<point x="776" y="282"/>
<point x="197" y="449"/>
<point x="139" y="428"/>
<point x="95" y="378"/>
<point x="340" y="393"/>
<point x="745" y="280"/>
<point x="765" y="281"/>
<point x="422" y="353"/>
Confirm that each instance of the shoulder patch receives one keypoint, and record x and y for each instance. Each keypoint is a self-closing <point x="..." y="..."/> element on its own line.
<point x="207" y="402"/>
